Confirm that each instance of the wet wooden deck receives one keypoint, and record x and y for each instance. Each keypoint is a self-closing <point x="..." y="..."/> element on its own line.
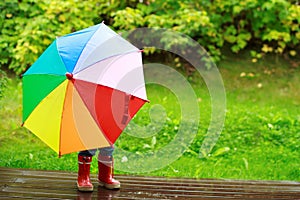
<point x="36" y="184"/>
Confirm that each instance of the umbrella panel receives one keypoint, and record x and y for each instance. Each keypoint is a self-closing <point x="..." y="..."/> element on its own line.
<point x="49" y="62"/>
<point x="111" y="109"/>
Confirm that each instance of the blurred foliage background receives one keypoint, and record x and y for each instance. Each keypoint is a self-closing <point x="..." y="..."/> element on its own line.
<point x="254" y="42"/>
<point x="27" y="27"/>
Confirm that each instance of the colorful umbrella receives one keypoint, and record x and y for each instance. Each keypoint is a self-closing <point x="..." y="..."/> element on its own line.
<point x="83" y="90"/>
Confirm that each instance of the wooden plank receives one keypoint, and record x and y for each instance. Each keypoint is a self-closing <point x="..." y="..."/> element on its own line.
<point x="46" y="183"/>
<point x="28" y="184"/>
<point x="147" y="186"/>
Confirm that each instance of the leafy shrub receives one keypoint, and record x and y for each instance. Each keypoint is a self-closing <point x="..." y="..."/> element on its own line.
<point x="264" y="26"/>
<point x="28" y="27"/>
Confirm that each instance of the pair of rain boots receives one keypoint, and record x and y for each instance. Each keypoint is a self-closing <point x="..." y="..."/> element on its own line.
<point x="105" y="173"/>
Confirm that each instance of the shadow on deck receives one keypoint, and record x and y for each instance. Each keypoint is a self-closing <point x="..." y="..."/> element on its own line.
<point x="37" y="184"/>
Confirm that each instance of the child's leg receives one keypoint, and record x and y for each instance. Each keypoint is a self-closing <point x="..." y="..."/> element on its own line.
<point x="105" y="168"/>
<point x="84" y="163"/>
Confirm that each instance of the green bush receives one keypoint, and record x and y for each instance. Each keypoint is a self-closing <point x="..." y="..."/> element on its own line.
<point x="264" y="26"/>
<point x="28" y="27"/>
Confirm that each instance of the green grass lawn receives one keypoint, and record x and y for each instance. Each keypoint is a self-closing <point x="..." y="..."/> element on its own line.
<point x="260" y="139"/>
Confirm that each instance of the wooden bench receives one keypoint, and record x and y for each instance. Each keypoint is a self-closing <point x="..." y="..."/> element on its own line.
<point x="38" y="184"/>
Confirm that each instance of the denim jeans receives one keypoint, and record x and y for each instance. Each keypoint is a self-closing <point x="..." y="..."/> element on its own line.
<point x="106" y="151"/>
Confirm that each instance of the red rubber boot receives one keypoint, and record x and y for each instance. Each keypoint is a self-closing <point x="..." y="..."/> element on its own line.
<point x="83" y="180"/>
<point x="105" y="173"/>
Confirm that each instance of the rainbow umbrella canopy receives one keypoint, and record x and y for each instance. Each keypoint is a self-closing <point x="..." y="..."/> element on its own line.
<point x="83" y="90"/>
